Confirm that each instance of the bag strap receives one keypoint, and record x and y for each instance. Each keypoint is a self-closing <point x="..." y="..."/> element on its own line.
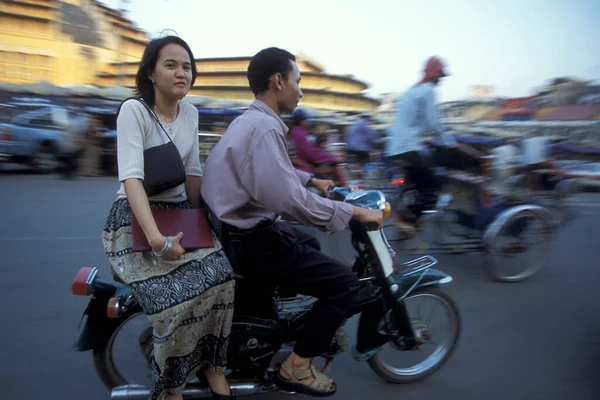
<point x="152" y="113"/>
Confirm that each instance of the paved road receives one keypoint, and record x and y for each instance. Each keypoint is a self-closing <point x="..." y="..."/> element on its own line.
<point x="534" y="340"/>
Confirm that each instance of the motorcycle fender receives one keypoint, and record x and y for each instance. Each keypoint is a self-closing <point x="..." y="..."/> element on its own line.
<point x="83" y="342"/>
<point x="96" y="327"/>
<point x="368" y="335"/>
<point x="431" y="277"/>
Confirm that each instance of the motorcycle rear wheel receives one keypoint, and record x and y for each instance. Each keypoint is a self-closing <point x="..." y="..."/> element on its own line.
<point x="437" y="359"/>
<point x="104" y="361"/>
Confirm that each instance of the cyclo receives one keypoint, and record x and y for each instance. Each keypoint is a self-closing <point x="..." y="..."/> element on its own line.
<point x="471" y="211"/>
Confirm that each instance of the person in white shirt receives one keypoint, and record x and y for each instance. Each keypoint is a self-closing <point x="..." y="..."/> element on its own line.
<point x="535" y="150"/>
<point x="528" y="159"/>
<point x="72" y="127"/>
<point x="187" y="295"/>
<point x="416" y="116"/>
<point x="536" y="157"/>
<point x="506" y="160"/>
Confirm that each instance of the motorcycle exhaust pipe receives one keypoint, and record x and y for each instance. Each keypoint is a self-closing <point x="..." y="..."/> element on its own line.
<point x="192" y="391"/>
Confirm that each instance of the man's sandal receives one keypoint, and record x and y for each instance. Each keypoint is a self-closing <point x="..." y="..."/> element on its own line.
<point x="320" y="387"/>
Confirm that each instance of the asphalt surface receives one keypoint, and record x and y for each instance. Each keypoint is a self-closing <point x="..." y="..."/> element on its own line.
<point x="538" y="339"/>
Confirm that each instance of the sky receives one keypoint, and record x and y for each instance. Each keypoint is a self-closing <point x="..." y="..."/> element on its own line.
<point x="512" y="45"/>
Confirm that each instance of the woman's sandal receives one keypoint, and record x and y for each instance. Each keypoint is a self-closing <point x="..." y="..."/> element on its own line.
<point x="217" y="396"/>
<point x="320" y="387"/>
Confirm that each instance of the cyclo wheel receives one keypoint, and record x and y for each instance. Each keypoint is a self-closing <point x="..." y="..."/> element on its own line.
<point x="517" y="243"/>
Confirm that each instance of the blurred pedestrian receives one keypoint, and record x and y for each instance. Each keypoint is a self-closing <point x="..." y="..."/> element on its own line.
<point x="72" y="127"/>
<point x="90" y="161"/>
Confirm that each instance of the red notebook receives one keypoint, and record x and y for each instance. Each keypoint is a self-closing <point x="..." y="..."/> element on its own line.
<point x="192" y="222"/>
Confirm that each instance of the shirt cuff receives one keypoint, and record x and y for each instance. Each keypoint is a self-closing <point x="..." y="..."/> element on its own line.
<point x="194" y="172"/>
<point x="131" y="174"/>
<point x="304" y="177"/>
<point x="342" y="214"/>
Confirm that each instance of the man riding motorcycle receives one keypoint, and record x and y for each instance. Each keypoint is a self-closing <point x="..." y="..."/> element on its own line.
<point x="249" y="182"/>
<point x="417" y="115"/>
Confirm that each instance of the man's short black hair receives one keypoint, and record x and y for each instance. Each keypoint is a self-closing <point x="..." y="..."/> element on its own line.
<point x="267" y="63"/>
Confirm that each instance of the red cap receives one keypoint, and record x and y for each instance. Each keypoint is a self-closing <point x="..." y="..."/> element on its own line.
<point x="434" y="68"/>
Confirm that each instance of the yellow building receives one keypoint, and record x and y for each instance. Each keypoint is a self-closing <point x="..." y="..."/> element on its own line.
<point x="63" y="42"/>
<point x="225" y="78"/>
<point x="83" y="42"/>
<point x="478" y="111"/>
<point x="467" y="112"/>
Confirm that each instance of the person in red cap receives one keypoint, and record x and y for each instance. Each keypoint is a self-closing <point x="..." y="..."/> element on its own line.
<point x="416" y="116"/>
<point x="434" y="71"/>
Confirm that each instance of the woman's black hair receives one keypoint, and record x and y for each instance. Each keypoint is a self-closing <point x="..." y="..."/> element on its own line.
<point x="145" y="87"/>
<point x="267" y="63"/>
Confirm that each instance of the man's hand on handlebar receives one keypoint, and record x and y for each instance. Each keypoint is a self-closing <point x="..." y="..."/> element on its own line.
<point x="373" y="219"/>
<point x="323" y="185"/>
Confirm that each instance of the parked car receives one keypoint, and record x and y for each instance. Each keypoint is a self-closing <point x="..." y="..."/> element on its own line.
<point x="33" y="138"/>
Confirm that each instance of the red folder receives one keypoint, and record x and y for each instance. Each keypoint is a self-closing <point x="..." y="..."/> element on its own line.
<point x="192" y="222"/>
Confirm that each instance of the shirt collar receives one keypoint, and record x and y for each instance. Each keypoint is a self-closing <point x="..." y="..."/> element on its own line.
<point x="262" y="107"/>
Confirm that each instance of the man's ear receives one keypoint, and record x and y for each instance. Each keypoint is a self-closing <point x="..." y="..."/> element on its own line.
<point x="278" y="81"/>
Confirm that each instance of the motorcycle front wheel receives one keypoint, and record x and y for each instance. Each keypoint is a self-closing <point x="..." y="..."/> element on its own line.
<point x="422" y="319"/>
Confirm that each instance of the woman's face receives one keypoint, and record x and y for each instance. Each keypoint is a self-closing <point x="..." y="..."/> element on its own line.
<point x="172" y="74"/>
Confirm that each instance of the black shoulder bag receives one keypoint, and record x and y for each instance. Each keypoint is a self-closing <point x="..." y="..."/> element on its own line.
<point x="163" y="166"/>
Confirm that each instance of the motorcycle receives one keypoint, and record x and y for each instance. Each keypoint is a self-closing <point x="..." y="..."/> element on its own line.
<point x="261" y="341"/>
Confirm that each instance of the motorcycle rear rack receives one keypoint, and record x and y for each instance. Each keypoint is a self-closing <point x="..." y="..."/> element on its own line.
<point x="466" y="246"/>
<point x="415" y="266"/>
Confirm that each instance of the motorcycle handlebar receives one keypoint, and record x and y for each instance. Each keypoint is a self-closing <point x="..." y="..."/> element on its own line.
<point x="340" y="193"/>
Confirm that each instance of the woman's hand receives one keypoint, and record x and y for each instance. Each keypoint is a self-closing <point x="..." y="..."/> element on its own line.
<point x="174" y="252"/>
